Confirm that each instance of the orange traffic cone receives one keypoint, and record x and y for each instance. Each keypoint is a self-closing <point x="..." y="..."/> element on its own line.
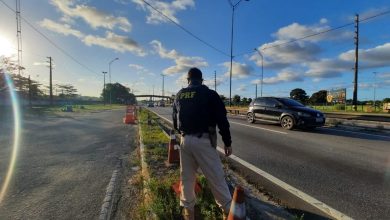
<point x="130" y="115"/>
<point x="173" y="150"/>
<point x="177" y="187"/>
<point x="237" y="208"/>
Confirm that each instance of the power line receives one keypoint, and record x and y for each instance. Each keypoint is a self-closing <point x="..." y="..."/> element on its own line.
<point x="50" y="41"/>
<point x="186" y="30"/>
<point x="315" y="34"/>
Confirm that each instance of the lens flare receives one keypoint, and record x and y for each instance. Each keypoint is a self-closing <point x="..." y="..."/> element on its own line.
<point x="17" y="128"/>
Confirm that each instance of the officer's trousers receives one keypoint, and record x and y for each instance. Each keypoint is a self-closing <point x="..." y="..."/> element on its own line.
<point x="197" y="152"/>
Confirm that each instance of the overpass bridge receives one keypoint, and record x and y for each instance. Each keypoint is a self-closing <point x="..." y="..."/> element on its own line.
<point x="169" y="98"/>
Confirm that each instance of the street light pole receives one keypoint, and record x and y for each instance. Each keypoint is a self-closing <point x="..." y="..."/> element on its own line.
<point x="256" y="92"/>
<point x="104" y="86"/>
<point x="374" y="91"/>
<point x="162" y="91"/>
<point x="262" y="72"/>
<point x="109" y="75"/>
<point x="231" y="49"/>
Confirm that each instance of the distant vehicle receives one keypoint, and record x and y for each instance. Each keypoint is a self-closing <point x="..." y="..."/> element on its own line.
<point x="288" y="112"/>
<point x="150" y="104"/>
<point x="161" y="104"/>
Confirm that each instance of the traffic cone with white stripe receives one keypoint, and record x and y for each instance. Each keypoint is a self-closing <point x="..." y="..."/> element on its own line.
<point x="173" y="150"/>
<point x="237" y="208"/>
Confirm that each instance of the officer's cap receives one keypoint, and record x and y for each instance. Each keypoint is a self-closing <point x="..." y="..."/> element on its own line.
<point x="194" y="73"/>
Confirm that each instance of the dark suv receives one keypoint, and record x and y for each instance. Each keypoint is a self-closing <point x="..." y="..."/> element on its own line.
<point x="288" y="112"/>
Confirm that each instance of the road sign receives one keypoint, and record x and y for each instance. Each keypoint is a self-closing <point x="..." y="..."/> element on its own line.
<point x="337" y="96"/>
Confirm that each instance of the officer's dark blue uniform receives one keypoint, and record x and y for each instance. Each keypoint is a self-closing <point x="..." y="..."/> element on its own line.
<point x="197" y="111"/>
<point x="198" y="108"/>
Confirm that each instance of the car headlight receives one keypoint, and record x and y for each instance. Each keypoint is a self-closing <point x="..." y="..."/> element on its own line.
<point x="304" y="114"/>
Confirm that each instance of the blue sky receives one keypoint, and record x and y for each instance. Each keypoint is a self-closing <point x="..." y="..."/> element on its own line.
<point x="148" y="45"/>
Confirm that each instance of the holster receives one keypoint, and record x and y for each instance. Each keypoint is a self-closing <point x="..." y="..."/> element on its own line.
<point x="213" y="136"/>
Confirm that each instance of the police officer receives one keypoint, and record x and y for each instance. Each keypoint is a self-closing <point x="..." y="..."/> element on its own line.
<point x="197" y="111"/>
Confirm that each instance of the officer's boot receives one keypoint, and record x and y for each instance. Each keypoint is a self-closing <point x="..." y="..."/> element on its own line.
<point x="188" y="214"/>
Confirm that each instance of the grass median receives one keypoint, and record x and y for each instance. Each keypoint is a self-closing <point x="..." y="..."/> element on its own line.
<point x="164" y="203"/>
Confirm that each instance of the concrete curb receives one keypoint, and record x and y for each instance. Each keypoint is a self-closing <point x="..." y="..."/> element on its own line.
<point x="145" y="174"/>
<point x="359" y="124"/>
<point x="108" y="202"/>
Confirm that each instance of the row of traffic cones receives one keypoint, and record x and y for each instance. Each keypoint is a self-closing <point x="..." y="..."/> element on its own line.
<point x="237" y="207"/>
<point x="130" y="115"/>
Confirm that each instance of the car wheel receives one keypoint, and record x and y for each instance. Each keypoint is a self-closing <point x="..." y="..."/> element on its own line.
<point x="250" y="117"/>
<point x="287" y="122"/>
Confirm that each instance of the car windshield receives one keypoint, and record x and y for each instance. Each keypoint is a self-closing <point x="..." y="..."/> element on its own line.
<point x="290" y="102"/>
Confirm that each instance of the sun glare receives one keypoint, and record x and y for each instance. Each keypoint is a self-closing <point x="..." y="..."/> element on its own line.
<point x="6" y="47"/>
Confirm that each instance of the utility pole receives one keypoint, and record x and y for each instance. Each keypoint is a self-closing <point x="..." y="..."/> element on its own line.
<point x="51" y="81"/>
<point x="153" y="94"/>
<point x="104" y="87"/>
<point x="19" y="35"/>
<point x="355" y="85"/>
<point x="374" y="91"/>
<point x="29" y="91"/>
<point x="215" y="80"/>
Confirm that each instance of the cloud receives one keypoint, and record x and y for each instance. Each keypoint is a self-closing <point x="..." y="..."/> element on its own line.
<point x="285" y="75"/>
<point x="240" y="70"/>
<point x="241" y="88"/>
<point x="115" y="42"/>
<point x="328" y="68"/>
<point x="183" y="63"/>
<point x="136" y="66"/>
<point x="376" y="57"/>
<point x="286" y="55"/>
<point x="369" y="13"/>
<point x="64" y="29"/>
<point x="92" y="16"/>
<point x="211" y="83"/>
<point x="167" y="8"/>
<point x="298" y="52"/>
<point x="296" y="31"/>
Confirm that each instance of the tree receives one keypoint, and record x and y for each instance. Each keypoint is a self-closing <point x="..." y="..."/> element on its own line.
<point x="249" y="100"/>
<point x="299" y="94"/>
<point x="236" y="99"/>
<point x="318" y="97"/>
<point x="119" y="94"/>
<point x="244" y="101"/>
<point x="67" y="90"/>
<point x="386" y="100"/>
<point x="20" y="82"/>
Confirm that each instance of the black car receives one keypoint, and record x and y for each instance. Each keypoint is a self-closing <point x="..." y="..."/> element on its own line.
<point x="288" y="112"/>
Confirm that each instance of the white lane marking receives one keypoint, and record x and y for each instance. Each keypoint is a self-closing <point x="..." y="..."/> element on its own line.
<point x="266" y="129"/>
<point x="305" y="197"/>
<point x="296" y="192"/>
<point x="161" y="116"/>
<point x="354" y="132"/>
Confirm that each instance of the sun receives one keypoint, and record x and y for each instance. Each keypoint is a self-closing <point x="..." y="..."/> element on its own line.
<point x="6" y="47"/>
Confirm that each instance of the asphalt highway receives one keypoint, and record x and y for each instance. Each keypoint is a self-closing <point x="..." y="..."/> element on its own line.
<point x="347" y="170"/>
<point x="64" y="163"/>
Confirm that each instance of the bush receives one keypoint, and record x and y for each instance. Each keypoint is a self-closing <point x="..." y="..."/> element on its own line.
<point x="339" y="107"/>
